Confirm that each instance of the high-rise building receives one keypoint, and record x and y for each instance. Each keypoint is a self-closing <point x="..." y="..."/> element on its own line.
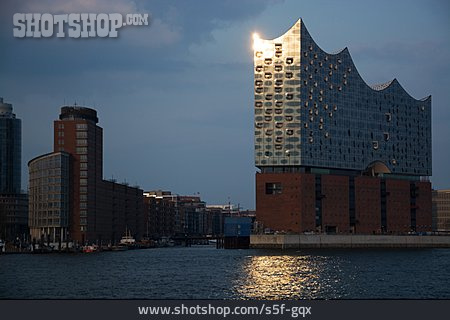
<point x="10" y="149"/>
<point x="334" y="154"/>
<point x="13" y="204"/>
<point x="69" y="198"/>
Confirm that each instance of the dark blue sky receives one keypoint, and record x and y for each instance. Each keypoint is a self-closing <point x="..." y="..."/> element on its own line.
<point x="175" y="98"/>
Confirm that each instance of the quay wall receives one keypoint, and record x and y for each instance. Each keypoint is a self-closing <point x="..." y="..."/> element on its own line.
<point x="298" y="241"/>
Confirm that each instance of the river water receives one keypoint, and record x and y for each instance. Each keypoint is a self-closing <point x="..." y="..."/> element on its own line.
<point x="209" y="273"/>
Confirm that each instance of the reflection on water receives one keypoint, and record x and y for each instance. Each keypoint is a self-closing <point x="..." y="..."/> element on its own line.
<point x="291" y="277"/>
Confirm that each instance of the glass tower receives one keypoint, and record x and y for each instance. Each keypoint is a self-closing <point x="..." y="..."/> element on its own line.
<point x="10" y="150"/>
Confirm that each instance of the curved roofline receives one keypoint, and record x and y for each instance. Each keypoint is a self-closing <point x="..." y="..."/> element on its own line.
<point x="383" y="86"/>
<point x="46" y="155"/>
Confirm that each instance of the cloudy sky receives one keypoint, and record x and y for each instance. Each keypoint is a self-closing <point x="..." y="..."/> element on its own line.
<point x="175" y="98"/>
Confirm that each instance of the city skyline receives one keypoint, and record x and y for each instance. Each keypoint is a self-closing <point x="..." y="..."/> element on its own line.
<point x="144" y="79"/>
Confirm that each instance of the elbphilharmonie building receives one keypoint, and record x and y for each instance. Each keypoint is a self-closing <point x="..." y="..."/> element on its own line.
<point x="335" y="154"/>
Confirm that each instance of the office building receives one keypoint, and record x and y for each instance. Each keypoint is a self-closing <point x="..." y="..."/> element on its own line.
<point x="13" y="203"/>
<point x="69" y="200"/>
<point x="334" y="154"/>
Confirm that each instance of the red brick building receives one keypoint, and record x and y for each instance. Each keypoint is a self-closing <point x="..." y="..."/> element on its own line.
<point x="332" y="203"/>
<point x="88" y="208"/>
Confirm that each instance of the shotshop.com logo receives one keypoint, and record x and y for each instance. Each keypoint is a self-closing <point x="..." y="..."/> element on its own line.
<point x="74" y="25"/>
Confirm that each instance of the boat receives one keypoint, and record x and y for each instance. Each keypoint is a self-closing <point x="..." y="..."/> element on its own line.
<point x="89" y="249"/>
<point x="127" y="240"/>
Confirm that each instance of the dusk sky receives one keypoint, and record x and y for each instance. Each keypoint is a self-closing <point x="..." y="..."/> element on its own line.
<point x="175" y="98"/>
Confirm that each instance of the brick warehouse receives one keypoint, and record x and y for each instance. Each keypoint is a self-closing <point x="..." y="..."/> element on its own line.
<point x="334" y="154"/>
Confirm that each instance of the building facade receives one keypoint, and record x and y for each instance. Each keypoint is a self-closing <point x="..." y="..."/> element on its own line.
<point x="334" y="154"/>
<point x="90" y="208"/>
<point x="13" y="203"/>
<point x="441" y="210"/>
<point x="50" y="189"/>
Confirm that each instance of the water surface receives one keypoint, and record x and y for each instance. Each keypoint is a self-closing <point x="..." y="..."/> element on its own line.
<point x="208" y="273"/>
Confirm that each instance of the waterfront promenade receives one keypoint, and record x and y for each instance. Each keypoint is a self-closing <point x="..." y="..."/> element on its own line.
<point x="298" y="241"/>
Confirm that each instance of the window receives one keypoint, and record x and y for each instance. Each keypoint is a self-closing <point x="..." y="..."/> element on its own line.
<point x="81" y="150"/>
<point x="82" y="142"/>
<point x="61" y="126"/>
<point x="273" y="188"/>
<point x="375" y="145"/>
<point x="268" y="75"/>
<point x="259" y="68"/>
<point x="258" y="104"/>
<point x="289" y="96"/>
<point x="388" y="116"/>
<point x="83" y="165"/>
<point x="82" y="134"/>
<point x="386" y="136"/>
<point x="83" y="182"/>
<point x="268" y="61"/>
<point x="61" y="134"/>
<point x="83" y="158"/>
<point x="81" y="126"/>
<point x="289" y="75"/>
<point x="278" y="67"/>
<point x="289" y="60"/>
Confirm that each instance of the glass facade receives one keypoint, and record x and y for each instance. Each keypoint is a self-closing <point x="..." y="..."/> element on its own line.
<point x="49" y="196"/>
<point x="313" y="109"/>
<point x="10" y="150"/>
